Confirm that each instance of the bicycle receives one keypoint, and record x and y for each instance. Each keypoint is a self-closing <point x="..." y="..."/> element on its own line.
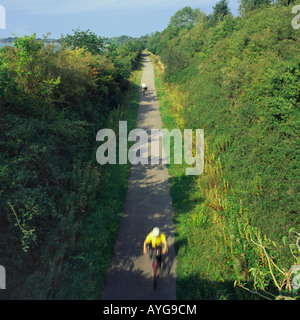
<point x="156" y="256"/>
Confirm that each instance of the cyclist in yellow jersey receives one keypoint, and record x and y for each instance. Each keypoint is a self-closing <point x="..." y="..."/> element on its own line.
<point x="156" y="240"/>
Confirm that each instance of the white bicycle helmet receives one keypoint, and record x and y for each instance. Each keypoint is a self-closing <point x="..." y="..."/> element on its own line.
<point x="156" y="232"/>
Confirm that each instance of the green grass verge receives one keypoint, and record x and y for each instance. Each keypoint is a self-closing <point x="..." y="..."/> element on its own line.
<point x="201" y="271"/>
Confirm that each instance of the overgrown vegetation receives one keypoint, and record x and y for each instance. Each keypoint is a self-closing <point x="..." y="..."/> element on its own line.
<point x="238" y="79"/>
<point x="237" y="224"/>
<point x="59" y="209"/>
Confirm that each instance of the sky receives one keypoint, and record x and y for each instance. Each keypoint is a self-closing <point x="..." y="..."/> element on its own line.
<point x="106" y="18"/>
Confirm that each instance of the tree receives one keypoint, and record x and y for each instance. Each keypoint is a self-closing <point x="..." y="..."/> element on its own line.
<point x="221" y="10"/>
<point x="285" y="2"/>
<point x="84" y="39"/>
<point x="184" y="18"/>
<point x="249" y="5"/>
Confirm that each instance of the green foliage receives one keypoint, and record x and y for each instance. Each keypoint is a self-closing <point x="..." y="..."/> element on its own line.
<point x="268" y="272"/>
<point x="84" y="39"/>
<point x="59" y="210"/>
<point x="221" y="10"/>
<point x="241" y="85"/>
<point x="250" y="5"/>
<point x="286" y="2"/>
<point x="157" y="42"/>
<point x="175" y="59"/>
<point x="119" y="40"/>
<point x="126" y="57"/>
<point x="184" y="18"/>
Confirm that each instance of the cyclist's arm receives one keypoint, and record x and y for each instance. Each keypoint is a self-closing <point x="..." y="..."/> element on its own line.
<point x="147" y="240"/>
<point x="165" y="246"/>
<point x="145" y="246"/>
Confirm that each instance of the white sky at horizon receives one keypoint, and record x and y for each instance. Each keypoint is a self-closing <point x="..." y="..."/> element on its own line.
<point x="106" y="18"/>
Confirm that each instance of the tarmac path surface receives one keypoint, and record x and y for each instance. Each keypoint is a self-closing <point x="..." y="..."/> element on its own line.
<point x="147" y="205"/>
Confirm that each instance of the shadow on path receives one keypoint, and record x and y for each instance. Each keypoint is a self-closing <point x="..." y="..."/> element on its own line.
<point x="148" y="204"/>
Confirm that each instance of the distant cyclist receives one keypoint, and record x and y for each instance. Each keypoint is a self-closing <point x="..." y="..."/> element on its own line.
<point x="144" y="87"/>
<point x="156" y="240"/>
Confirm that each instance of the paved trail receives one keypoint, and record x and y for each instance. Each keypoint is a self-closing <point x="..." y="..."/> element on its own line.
<point x="148" y="204"/>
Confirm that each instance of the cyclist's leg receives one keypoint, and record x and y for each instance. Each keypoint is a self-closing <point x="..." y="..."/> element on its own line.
<point x="159" y="256"/>
<point x="155" y="264"/>
<point x="150" y="250"/>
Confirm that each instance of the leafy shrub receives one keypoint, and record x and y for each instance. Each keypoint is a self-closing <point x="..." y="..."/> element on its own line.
<point x="53" y="100"/>
<point x="241" y="86"/>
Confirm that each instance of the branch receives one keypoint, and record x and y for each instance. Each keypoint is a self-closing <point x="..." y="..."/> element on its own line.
<point x="268" y="259"/>
<point x="253" y="292"/>
<point x="297" y="245"/>
<point x="22" y="229"/>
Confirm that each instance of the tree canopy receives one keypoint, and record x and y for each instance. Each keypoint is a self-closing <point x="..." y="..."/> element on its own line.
<point x="84" y="39"/>
<point x="221" y="10"/>
<point x="184" y="18"/>
<point x="249" y="5"/>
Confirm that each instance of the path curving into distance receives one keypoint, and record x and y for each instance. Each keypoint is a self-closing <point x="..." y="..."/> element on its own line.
<point x="148" y="204"/>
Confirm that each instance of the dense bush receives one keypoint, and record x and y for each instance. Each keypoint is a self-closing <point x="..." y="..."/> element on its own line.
<point x="241" y="85"/>
<point x="53" y="101"/>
